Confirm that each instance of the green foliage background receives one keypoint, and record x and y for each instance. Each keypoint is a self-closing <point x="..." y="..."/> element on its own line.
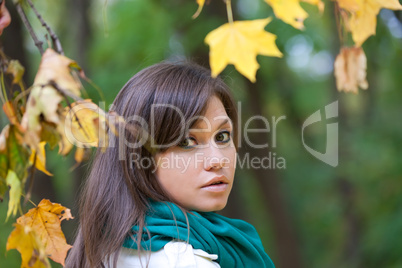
<point x="138" y="33"/>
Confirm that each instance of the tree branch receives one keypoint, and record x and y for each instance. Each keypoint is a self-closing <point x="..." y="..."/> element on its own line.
<point x="55" y="39"/>
<point x="25" y="20"/>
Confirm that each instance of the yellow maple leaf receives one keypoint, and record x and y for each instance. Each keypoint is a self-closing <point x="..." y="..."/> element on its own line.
<point x="289" y="11"/>
<point x="57" y="68"/>
<point x="84" y="126"/>
<point x="200" y="6"/>
<point x="363" y="18"/>
<point x="27" y="242"/>
<point x="40" y="162"/>
<point x="350" y="70"/>
<point x="239" y="43"/>
<point x="45" y="219"/>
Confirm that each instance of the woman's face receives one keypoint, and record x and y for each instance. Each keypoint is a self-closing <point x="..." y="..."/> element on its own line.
<point x="198" y="173"/>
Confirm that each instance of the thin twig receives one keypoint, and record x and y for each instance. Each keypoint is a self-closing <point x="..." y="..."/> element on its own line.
<point x="30" y="201"/>
<point x="31" y="180"/>
<point x="3" y="96"/>
<point x="53" y="35"/>
<point x="65" y="94"/>
<point x="25" y="20"/>
<point x="229" y="11"/>
<point x="22" y="95"/>
<point x="338" y="23"/>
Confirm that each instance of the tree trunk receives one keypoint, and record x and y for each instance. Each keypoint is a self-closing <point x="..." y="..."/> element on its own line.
<point x="287" y="246"/>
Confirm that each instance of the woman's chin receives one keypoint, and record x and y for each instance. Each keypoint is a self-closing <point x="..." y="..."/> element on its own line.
<point x="216" y="206"/>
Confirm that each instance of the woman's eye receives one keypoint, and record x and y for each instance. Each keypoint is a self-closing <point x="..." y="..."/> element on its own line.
<point x="223" y="137"/>
<point x="187" y="143"/>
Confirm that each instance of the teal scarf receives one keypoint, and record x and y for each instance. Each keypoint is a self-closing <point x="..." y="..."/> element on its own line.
<point x="236" y="242"/>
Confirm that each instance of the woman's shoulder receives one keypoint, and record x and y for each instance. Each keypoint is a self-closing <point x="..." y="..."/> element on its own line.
<point x="173" y="254"/>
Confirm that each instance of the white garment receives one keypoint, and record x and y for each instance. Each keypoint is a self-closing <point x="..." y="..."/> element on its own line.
<point x="174" y="254"/>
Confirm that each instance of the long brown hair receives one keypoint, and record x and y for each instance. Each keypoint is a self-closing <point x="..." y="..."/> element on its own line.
<point x="116" y="193"/>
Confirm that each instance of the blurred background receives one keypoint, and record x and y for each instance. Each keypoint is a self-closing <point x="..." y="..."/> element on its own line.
<point x="307" y="213"/>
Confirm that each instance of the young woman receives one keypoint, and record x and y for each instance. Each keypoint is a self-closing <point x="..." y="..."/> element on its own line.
<point x="150" y="198"/>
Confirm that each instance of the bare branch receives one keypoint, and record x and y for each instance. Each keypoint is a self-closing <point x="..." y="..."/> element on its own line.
<point x="52" y="34"/>
<point x="31" y="180"/>
<point x="25" y="20"/>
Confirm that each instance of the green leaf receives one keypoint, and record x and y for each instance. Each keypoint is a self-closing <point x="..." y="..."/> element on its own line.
<point x="18" y="155"/>
<point x="15" y="193"/>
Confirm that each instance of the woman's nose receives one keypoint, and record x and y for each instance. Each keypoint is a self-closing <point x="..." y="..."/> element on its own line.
<point x="214" y="158"/>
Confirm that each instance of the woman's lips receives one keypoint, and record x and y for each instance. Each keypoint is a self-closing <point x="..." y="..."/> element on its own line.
<point x="216" y="187"/>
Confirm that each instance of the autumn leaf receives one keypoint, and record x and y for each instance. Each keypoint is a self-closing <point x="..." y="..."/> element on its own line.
<point x="40" y="161"/>
<point x="239" y="43"/>
<point x="53" y="79"/>
<point x="26" y="241"/>
<point x="85" y="126"/>
<point x="15" y="193"/>
<point x="200" y="6"/>
<point x="363" y="19"/>
<point x="16" y="70"/>
<point x="350" y="70"/>
<point x="17" y="152"/>
<point x="14" y="164"/>
<point x="291" y="12"/>
<point x="49" y="134"/>
<point x="56" y="68"/>
<point x="45" y="219"/>
<point x="43" y="105"/>
<point x="82" y="123"/>
<point x="9" y="110"/>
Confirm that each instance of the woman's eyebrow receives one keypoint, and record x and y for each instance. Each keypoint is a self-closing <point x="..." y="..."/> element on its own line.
<point x="224" y="122"/>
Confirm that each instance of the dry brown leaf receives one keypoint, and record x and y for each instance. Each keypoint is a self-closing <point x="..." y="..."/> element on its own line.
<point x="43" y="105"/>
<point x="56" y="68"/>
<point x="350" y="69"/>
<point x="11" y="114"/>
<point x="45" y="219"/>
